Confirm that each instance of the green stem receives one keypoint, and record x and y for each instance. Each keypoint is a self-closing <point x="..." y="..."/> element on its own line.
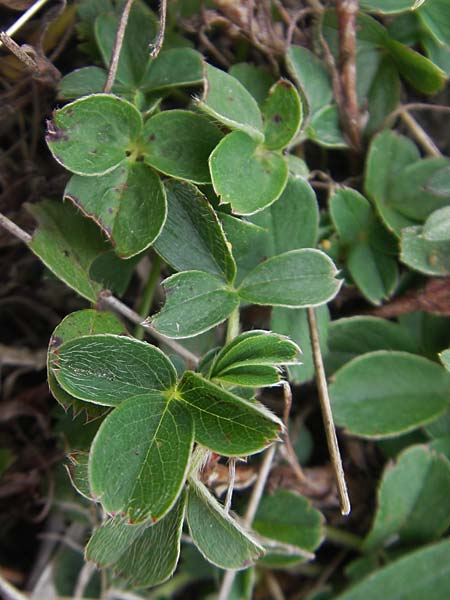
<point x="343" y="538"/>
<point x="233" y="326"/>
<point x="148" y="294"/>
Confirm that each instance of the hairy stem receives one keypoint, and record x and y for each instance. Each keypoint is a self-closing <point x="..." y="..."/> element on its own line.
<point x="115" y="54"/>
<point x="232" y="326"/>
<point x="252" y="507"/>
<point x="330" y="430"/>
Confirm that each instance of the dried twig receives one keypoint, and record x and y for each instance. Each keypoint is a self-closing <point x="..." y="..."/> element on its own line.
<point x="27" y="15"/>
<point x="9" y="591"/>
<point x="349" y="108"/>
<point x="327" y="415"/>
<point x="115" y="54"/>
<point x="113" y="302"/>
<point x="420" y="134"/>
<point x="117" y="305"/>
<point x="156" y="47"/>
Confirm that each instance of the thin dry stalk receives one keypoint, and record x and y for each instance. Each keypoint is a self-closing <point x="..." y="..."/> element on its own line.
<point x="330" y="430"/>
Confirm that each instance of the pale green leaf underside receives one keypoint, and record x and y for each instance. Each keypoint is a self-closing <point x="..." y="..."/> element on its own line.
<point x="350" y="337"/>
<point x="295" y="279"/>
<point x="445" y="358"/>
<point x="418" y="575"/>
<point x="383" y="393"/>
<point x="389" y="154"/>
<point x="288" y="518"/>
<point x="422" y="254"/>
<point x="413" y="499"/>
<point x="220" y="539"/>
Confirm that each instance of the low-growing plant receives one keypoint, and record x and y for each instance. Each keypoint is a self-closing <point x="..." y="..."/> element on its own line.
<point x="205" y="170"/>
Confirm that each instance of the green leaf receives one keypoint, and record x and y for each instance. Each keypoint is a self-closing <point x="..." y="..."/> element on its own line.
<point x="139" y="457"/>
<point x="292" y="222"/>
<point x="413" y="500"/>
<point x="439" y="183"/>
<point x="93" y="135"/>
<point x="255" y="79"/>
<point x="247" y="243"/>
<point x="112" y="272"/>
<point x="220" y="539"/>
<point x="387" y="7"/>
<point x="67" y="244"/>
<point x="350" y="337"/>
<point x="383" y="96"/>
<point x="311" y="75"/>
<point x="227" y="100"/>
<point x="295" y="279"/>
<point x="246" y="175"/>
<point x="445" y="358"/>
<point x="195" y="302"/>
<point x="420" y="574"/>
<point x="420" y="72"/>
<point x="129" y="204"/>
<point x="250" y="359"/>
<point x="375" y="273"/>
<point x="225" y="423"/>
<point x="294" y="323"/>
<point x="383" y="393"/>
<point x="435" y="16"/>
<point x="77" y="470"/>
<point x="423" y="255"/>
<point x="144" y="555"/>
<point x="177" y="67"/>
<point x="134" y="53"/>
<point x="410" y="192"/>
<point x="108" y="369"/>
<point x="325" y="130"/>
<point x="178" y="143"/>
<point x="351" y="214"/>
<point x="289" y="518"/>
<point x="389" y="154"/>
<point x="282" y="114"/>
<point x="81" y="82"/>
<point x="438" y="54"/>
<point x="192" y="219"/>
<point x="77" y="324"/>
